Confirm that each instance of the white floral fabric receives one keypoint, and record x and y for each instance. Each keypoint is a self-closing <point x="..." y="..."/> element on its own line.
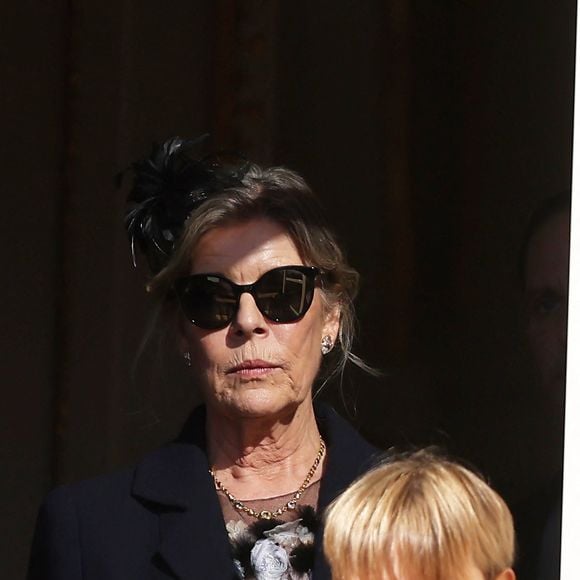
<point x="277" y="549"/>
<point x="271" y="556"/>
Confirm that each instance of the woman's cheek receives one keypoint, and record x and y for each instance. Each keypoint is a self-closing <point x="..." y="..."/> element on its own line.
<point x="303" y="353"/>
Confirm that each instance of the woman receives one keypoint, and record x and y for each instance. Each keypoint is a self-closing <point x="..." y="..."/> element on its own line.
<point x="259" y="294"/>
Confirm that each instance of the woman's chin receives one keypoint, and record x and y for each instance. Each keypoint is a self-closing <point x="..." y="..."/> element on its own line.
<point x="260" y="403"/>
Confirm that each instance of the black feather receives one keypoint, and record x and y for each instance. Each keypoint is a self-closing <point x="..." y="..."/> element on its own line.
<point x="167" y="187"/>
<point x="302" y="558"/>
<point x="242" y="550"/>
<point x="309" y="518"/>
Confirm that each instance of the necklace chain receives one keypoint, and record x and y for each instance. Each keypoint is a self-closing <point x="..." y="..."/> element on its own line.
<point x="289" y="505"/>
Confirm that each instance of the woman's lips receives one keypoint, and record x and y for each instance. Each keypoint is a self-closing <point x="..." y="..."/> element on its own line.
<point x="253" y="368"/>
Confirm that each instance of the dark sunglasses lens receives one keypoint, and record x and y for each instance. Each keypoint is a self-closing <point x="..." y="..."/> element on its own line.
<point x="285" y="294"/>
<point x="207" y="301"/>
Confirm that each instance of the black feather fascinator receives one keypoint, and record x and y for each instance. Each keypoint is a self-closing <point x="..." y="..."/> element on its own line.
<point x="167" y="186"/>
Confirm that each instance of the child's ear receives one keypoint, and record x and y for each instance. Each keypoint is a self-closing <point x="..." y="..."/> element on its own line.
<point x="507" y="574"/>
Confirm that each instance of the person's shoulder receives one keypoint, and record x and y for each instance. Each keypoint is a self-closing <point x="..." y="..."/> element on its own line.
<point x="107" y="512"/>
<point x="94" y="490"/>
<point x="108" y="486"/>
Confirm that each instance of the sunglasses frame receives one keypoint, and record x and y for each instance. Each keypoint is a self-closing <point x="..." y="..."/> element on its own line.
<point x="311" y="273"/>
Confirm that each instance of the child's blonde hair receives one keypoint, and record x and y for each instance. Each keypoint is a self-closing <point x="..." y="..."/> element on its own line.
<point x="422" y="514"/>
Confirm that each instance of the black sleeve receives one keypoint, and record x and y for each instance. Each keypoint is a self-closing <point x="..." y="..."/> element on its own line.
<point x="56" y="548"/>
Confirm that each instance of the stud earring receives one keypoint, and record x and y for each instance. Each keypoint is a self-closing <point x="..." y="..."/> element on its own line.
<point x="187" y="359"/>
<point x="326" y="344"/>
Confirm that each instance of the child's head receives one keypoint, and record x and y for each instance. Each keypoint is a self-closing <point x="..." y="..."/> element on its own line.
<point x="420" y="517"/>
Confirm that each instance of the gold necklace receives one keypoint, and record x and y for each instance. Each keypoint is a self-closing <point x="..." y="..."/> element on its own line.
<point x="289" y="505"/>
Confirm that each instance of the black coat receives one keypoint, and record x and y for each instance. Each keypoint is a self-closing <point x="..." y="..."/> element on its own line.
<point x="162" y="518"/>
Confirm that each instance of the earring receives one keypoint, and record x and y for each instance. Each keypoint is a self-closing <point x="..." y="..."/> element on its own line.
<point x="187" y="359"/>
<point x="326" y="344"/>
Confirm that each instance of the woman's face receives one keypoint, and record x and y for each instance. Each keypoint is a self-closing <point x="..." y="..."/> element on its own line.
<point x="255" y="367"/>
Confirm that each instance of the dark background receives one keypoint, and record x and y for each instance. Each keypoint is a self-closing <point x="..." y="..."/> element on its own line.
<point x="430" y="128"/>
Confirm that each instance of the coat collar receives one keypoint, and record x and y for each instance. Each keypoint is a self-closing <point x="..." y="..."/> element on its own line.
<point x="174" y="481"/>
<point x="173" y="474"/>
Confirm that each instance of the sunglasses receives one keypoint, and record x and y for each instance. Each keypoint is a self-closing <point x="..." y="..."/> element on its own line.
<point x="282" y="295"/>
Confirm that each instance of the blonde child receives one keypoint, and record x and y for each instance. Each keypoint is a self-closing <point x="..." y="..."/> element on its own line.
<point x="420" y="517"/>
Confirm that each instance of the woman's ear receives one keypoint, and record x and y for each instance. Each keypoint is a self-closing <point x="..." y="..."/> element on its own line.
<point x="507" y="574"/>
<point x="332" y="322"/>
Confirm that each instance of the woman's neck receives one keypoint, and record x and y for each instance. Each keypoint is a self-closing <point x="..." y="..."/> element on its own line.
<point x="260" y="458"/>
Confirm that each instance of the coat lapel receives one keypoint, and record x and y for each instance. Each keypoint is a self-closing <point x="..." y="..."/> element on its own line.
<point x="194" y="544"/>
<point x="174" y="482"/>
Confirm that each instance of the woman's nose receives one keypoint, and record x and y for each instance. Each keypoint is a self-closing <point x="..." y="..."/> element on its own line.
<point x="248" y="319"/>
